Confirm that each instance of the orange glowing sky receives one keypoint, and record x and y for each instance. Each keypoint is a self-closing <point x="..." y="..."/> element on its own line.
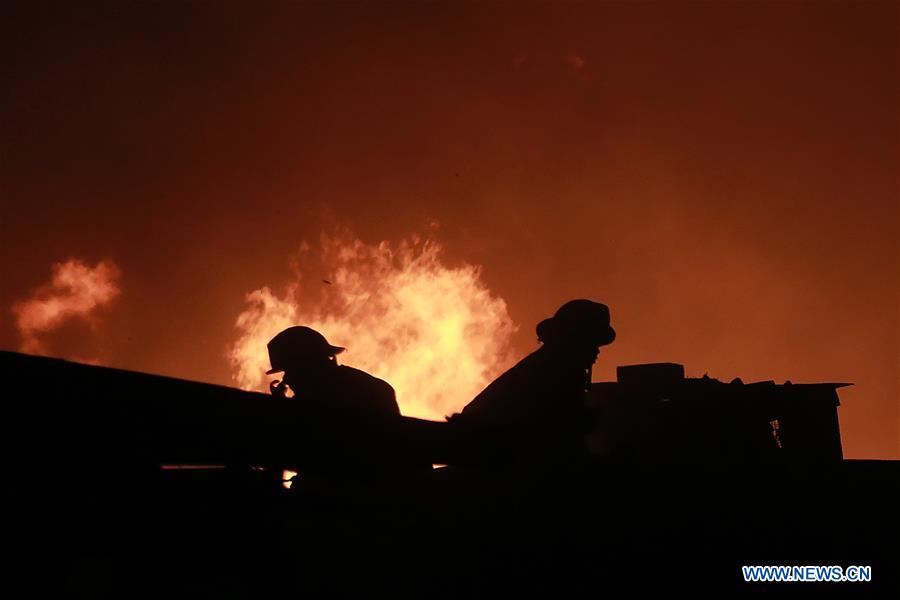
<point x="723" y="175"/>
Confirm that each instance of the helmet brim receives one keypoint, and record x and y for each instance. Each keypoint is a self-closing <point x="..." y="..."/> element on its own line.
<point x="332" y="351"/>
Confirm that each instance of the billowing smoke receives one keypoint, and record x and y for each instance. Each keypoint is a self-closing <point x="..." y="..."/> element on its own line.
<point x="75" y="291"/>
<point x="436" y="333"/>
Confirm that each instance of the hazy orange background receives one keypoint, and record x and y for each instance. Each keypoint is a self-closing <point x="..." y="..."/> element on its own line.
<point x="723" y="175"/>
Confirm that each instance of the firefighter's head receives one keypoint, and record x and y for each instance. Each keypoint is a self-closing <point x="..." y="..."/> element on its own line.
<point x="577" y="331"/>
<point x="301" y="353"/>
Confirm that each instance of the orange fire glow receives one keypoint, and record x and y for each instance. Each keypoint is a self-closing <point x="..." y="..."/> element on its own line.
<point x="435" y="333"/>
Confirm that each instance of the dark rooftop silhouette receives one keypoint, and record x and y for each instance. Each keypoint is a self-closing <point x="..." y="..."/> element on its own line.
<point x="685" y="474"/>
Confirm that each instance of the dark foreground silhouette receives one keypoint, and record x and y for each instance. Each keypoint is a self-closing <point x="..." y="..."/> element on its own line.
<point x="541" y="400"/>
<point x="684" y="481"/>
<point x="309" y="368"/>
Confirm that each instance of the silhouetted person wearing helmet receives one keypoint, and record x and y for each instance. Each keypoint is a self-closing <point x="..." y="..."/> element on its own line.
<point x="311" y="371"/>
<point x="338" y="393"/>
<point x="540" y="401"/>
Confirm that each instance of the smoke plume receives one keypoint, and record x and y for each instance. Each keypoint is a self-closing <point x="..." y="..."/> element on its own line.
<point x="75" y="291"/>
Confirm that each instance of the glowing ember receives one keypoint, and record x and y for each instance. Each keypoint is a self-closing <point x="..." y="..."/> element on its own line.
<point x="287" y="478"/>
<point x="74" y="291"/>
<point x="433" y="332"/>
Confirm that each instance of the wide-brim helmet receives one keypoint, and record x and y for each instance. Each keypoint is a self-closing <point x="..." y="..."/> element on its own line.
<point x="578" y="321"/>
<point x="296" y="344"/>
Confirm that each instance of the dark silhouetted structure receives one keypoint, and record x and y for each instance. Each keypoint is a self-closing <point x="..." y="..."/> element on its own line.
<point x="541" y="400"/>
<point x="653" y="414"/>
<point x="133" y="485"/>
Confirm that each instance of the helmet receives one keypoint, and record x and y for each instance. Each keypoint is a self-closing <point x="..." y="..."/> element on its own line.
<point x="578" y="320"/>
<point x="297" y="344"/>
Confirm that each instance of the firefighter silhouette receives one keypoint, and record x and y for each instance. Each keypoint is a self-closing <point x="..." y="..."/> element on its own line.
<point x="359" y="402"/>
<point x="541" y="400"/>
<point x="311" y="371"/>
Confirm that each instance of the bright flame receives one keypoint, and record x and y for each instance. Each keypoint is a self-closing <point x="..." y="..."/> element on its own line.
<point x="287" y="478"/>
<point x="435" y="333"/>
<point x="74" y="291"/>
